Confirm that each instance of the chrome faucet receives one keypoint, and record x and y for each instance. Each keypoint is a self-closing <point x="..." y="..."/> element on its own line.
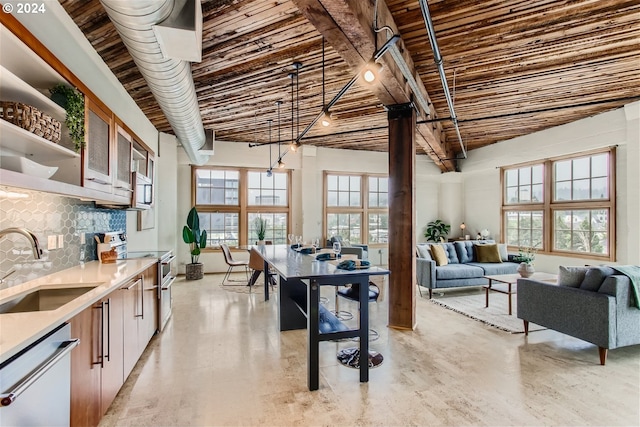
<point x="26" y="233"/>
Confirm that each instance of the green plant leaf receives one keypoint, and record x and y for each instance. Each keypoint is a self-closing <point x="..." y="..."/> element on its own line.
<point x="187" y="235"/>
<point x="193" y="221"/>
<point x="203" y="239"/>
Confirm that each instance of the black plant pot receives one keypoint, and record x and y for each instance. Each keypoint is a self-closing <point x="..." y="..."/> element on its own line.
<point x="195" y="271"/>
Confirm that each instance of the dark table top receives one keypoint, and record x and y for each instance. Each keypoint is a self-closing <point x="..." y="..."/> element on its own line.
<point x="292" y="264"/>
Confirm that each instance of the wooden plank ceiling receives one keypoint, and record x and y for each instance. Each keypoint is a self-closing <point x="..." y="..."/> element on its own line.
<point x="514" y="67"/>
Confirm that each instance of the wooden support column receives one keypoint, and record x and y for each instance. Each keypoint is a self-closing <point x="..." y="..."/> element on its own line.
<point x="402" y="218"/>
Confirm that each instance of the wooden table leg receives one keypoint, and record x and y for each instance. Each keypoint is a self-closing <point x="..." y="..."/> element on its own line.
<point x="509" y="295"/>
<point x="486" y="304"/>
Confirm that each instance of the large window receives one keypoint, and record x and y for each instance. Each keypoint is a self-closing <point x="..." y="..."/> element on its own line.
<point x="357" y="207"/>
<point x="562" y="205"/>
<point x="229" y="201"/>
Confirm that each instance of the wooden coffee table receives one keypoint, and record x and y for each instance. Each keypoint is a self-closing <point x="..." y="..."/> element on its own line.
<point x="510" y="280"/>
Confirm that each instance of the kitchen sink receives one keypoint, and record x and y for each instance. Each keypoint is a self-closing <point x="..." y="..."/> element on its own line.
<point x="46" y="299"/>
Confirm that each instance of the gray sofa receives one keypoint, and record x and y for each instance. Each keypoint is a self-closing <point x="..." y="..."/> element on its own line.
<point x="360" y="250"/>
<point x="604" y="315"/>
<point x="462" y="269"/>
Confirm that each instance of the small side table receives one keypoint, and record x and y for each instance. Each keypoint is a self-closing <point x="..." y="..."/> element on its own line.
<point x="510" y="280"/>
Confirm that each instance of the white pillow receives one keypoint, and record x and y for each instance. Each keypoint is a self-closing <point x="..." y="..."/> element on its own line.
<point x="502" y="249"/>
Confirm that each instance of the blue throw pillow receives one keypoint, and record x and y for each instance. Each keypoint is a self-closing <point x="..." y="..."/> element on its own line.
<point x="594" y="277"/>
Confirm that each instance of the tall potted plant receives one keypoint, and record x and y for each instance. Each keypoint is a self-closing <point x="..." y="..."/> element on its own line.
<point x="260" y="224"/>
<point x="437" y="231"/>
<point x="196" y="240"/>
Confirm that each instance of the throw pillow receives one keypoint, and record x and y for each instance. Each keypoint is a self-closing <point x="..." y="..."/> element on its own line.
<point x="571" y="276"/>
<point x="439" y="255"/>
<point x="504" y="255"/>
<point x="487" y="253"/>
<point x="594" y="277"/>
<point x="424" y="252"/>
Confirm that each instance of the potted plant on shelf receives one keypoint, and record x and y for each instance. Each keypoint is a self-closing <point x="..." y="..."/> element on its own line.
<point x="260" y="224"/>
<point x="196" y="240"/>
<point x="73" y="102"/>
<point x="437" y="231"/>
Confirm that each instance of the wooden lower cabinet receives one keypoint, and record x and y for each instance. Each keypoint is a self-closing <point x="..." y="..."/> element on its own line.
<point x="113" y="334"/>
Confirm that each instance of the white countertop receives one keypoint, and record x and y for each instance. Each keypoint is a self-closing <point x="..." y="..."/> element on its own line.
<point x="18" y="330"/>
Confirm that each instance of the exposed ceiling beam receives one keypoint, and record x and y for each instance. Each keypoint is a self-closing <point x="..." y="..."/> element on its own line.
<point x="347" y="25"/>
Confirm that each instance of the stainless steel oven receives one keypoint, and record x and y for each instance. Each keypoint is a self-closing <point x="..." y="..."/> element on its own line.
<point x="166" y="277"/>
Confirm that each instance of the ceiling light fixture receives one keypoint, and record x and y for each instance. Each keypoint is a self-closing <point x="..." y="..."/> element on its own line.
<point x="371" y="72"/>
<point x="269" y="170"/>
<point x="294" y="145"/>
<point x="326" y="118"/>
<point x="280" y="162"/>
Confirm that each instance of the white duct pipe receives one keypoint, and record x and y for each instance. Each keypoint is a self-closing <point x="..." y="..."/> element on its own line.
<point x="170" y="80"/>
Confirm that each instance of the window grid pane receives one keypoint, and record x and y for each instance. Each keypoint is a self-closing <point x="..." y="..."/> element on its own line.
<point x="524" y="228"/>
<point x="378" y="193"/>
<point x="584" y="178"/>
<point x="379" y="228"/>
<point x="217" y="187"/>
<point x="524" y="185"/>
<point x="220" y="227"/>
<point x="343" y="191"/>
<point x="267" y="191"/>
<point x="584" y="231"/>
<point x="276" y="227"/>
<point x="346" y="225"/>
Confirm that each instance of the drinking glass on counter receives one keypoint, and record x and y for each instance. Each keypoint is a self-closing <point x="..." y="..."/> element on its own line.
<point x="337" y="248"/>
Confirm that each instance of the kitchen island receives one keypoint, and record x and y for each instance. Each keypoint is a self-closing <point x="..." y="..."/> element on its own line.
<point x="301" y="277"/>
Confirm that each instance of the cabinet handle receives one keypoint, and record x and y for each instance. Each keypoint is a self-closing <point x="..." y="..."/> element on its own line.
<point x="98" y="181"/>
<point x="108" y="355"/>
<point x="142" y="298"/>
<point x="8" y="398"/>
<point x="169" y="283"/>
<point x="131" y="285"/>
<point x="168" y="261"/>
<point x="120" y="187"/>
<point x="100" y="355"/>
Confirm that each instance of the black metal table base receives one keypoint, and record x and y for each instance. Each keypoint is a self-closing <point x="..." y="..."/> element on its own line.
<point x="351" y="357"/>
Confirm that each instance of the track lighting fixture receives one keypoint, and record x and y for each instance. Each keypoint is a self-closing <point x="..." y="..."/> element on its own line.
<point x="371" y="72"/>
<point x="280" y="163"/>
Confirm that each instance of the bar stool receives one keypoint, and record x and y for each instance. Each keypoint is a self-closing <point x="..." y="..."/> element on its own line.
<point x="351" y="356"/>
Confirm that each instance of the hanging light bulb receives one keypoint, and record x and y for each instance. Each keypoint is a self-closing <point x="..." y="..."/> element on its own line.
<point x="269" y="173"/>
<point x="326" y="119"/>
<point x="371" y="72"/>
<point x="293" y="147"/>
<point x="280" y="164"/>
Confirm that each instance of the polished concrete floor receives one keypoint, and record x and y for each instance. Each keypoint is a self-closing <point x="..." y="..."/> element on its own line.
<point x="222" y="361"/>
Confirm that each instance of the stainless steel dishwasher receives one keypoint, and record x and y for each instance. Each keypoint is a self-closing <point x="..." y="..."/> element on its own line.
<point x="36" y="382"/>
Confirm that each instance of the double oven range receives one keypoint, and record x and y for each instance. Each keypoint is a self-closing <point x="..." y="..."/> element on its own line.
<point x="166" y="277"/>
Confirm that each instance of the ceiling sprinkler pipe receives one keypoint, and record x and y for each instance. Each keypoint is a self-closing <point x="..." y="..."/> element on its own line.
<point x="443" y="77"/>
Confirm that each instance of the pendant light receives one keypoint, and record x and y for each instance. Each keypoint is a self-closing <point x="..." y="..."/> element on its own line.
<point x="280" y="162"/>
<point x="326" y="117"/>
<point x="293" y="146"/>
<point x="269" y="173"/>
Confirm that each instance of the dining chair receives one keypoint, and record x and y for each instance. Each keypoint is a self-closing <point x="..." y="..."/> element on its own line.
<point x="231" y="263"/>
<point x="256" y="264"/>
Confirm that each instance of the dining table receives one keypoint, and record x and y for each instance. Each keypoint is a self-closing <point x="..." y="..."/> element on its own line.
<point x="301" y="276"/>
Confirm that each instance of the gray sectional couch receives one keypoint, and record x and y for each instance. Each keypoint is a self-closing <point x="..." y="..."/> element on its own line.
<point x="462" y="268"/>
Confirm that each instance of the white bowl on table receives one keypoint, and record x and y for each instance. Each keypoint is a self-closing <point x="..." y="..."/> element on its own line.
<point x="27" y="167"/>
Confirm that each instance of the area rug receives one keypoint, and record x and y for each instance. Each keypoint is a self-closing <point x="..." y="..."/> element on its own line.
<point x="471" y="304"/>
